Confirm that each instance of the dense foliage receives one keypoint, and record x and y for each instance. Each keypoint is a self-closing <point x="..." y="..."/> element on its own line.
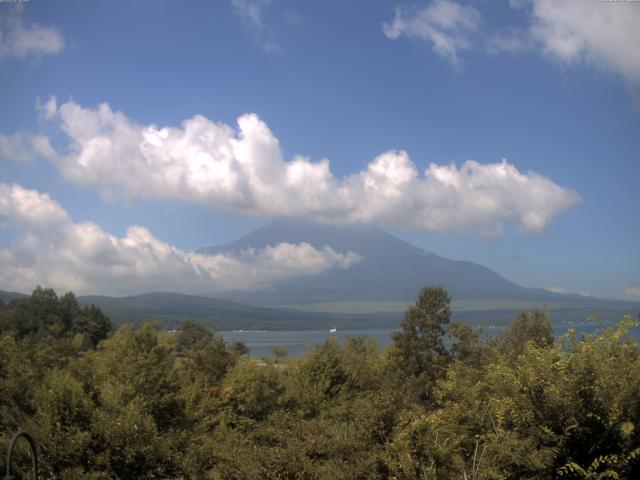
<point x="438" y="403"/>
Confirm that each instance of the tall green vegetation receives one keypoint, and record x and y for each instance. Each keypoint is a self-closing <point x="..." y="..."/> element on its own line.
<point x="439" y="403"/>
<point x="418" y="348"/>
<point x="45" y="315"/>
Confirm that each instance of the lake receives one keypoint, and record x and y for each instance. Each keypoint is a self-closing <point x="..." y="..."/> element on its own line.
<point x="261" y="343"/>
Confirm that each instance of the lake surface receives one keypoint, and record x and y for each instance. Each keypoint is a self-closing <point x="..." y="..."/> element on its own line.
<point x="261" y="343"/>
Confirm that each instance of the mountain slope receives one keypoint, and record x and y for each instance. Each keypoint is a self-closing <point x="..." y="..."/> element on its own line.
<point x="390" y="269"/>
<point x="6" y="297"/>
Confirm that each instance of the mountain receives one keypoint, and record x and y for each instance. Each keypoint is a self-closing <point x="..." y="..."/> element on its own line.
<point x="390" y="269"/>
<point x="370" y="294"/>
<point x="6" y="297"/>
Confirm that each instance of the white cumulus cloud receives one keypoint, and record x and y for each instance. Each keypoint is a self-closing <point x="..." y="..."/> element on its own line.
<point x="599" y="33"/>
<point x="605" y="33"/>
<point x="19" y="40"/>
<point x="242" y="170"/>
<point x="444" y="23"/>
<point x="50" y="249"/>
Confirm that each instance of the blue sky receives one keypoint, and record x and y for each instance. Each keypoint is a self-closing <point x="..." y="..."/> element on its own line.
<point x="407" y="84"/>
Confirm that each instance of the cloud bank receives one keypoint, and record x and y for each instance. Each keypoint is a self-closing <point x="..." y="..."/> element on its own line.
<point x="242" y="170"/>
<point x="50" y="249"/>
<point x="19" y="40"/>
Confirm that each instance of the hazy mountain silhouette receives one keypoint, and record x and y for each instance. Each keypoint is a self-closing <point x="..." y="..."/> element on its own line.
<point x="390" y="269"/>
<point x="6" y="297"/>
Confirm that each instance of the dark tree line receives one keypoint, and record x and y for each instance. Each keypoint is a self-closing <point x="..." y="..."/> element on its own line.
<point x="44" y="314"/>
<point x="440" y="402"/>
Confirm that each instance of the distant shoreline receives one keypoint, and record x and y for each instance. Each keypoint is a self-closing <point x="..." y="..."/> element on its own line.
<point x="261" y="342"/>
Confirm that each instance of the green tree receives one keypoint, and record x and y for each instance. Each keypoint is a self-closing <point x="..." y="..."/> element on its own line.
<point x="238" y="349"/>
<point x="280" y="352"/>
<point x="205" y="355"/>
<point x="317" y="378"/>
<point x="202" y="362"/>
<point x="192" y="335"/>
<point x="43" y="315"/>
<point x="419" y="346"/>
<point x="35" y="316"/>
<point x="528" y="327"/>
<point x="62" y="423"/>
<point x="465" y="345"/>
<point x="139" y="413"/>
<point x="601" y="389"/>
<point x="250" y="393"/>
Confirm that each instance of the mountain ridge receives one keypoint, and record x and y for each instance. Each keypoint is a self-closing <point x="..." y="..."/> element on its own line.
<point x="173" y="309"/>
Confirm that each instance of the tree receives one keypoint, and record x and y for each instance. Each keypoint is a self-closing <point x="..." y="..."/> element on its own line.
<point x="419" y="348"/>
<point x="91" y="322"/>
<point x="62" y="422"/>
<point x="204" y="353"/>
<point x="528" y="327"/>
<point x="465" y="345"/>
<point x="280" y="352"/>
<point x="193" y="335"/>
<point x="44" y="315"/>
<point x="319" y="377"/>
<point x="36" y="316"/>
<point x="238" y="349"/>
<point x="138" y="409"/>
<point x="250" y="393"/>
